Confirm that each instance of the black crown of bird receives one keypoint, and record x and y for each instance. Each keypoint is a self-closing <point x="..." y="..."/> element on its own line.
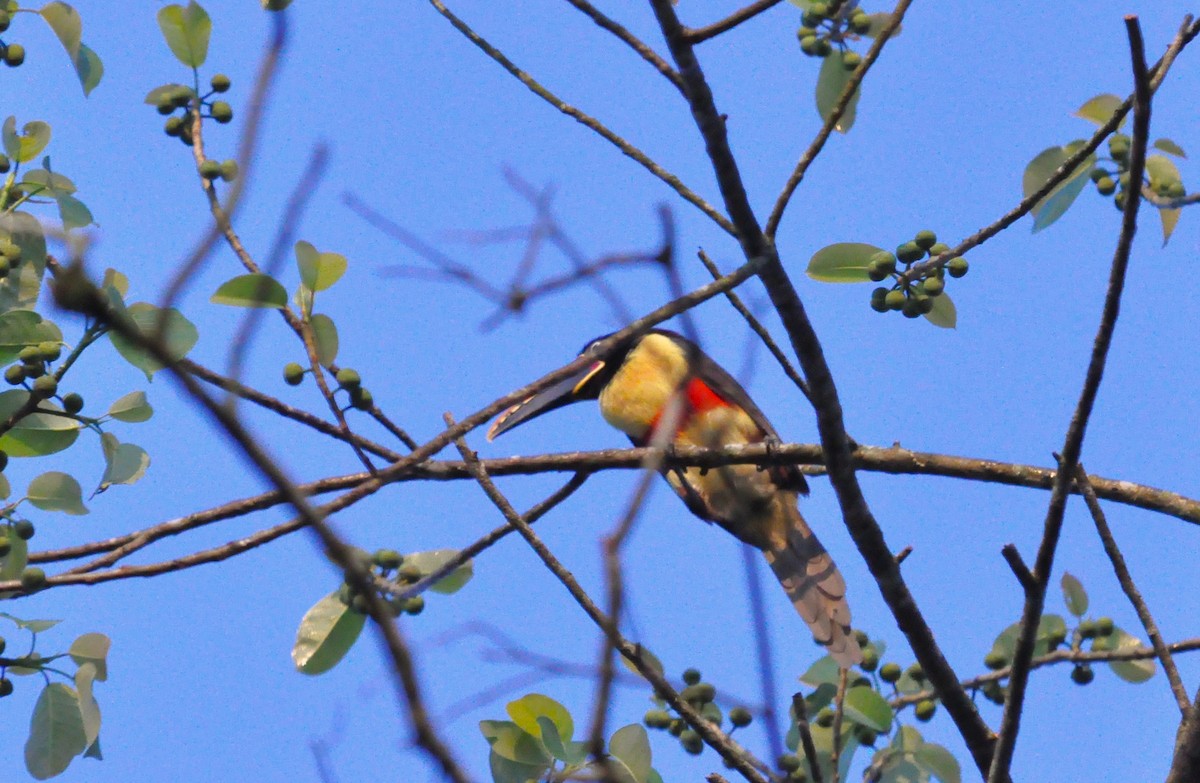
<point x="635" y="383"/>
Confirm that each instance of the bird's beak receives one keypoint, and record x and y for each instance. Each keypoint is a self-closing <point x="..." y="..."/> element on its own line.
<point x="565" y="392"/>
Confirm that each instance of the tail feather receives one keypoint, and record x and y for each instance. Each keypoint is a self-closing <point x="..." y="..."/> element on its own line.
<point x="817" y="590"/>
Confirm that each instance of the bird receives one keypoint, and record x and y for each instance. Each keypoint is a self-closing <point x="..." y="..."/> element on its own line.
<point x="635" y="382"/>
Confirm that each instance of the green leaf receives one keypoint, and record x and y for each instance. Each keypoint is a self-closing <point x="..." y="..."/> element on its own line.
<point x="939" y="762"/>
<point x="5" y="487"/>
<point x="11" y="566"/>
<point x="92" y="648"/>
<point x="124" y="463"/>
<point x="89" y="710"/>
<point x="564" y="750"/>
<point x="1059" y="200"/>
<point x="36" y="626"/>
<point x="37" y="434"/>
<point x="434" y="559"/>
<point x="56" y="732"/>
<point x="90" y="71"/>
<point x="514" y="743"/>
<point x="1162" y="170"/>
<point x="43" y="181"/>
<point x="56" y="491"/>
<point x="131" y="408"/>
<point x="822" y="696"/>
<point x="1129" y="671"/>
<point x="66" y="24"/>
<point x="649" y="657"/>
<point x="867" y="708"/>
<point x="156" y="96"/>
<point x="526" y="710"/>
<point x="29" y="143"/>
<point x="1169" y="219"/>
<point x="73" y="213"/>
<point x="844" y="262"/>
<point x="1074" y="595"/>
<point x="186" y="31"/>
<point x="508" y="771"/>
<point x="19" y="328"/>
<point x="318" y="271"/>
<point x="823" y="670"/>
<point x="253" y="290"/>
<point x="1169" y="147"/>
<point x="877" y="22"/>
<point x="179" y="335"/>
<point x="1100" y="109"/>
<point x="944" y="313"/>
<point x="1051" y="627"/>
<point x="830" y="83"/>
<point x="117" y="281"/>
<point x="325" y="336"/>
<point x="21" y="290"/>
<point x="327" y="632"/>
<point x="631" y="745"/>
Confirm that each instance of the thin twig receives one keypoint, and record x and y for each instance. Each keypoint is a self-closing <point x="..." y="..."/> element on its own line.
<point x="632" y="41"/>
<point x="839" y="711"/>
<point x="762" y="649"/>
<point x="1021" y="571"/>
<point x="1131" y="590"/>
<point x="806" y="739"/>
<point x="1010" y="724"/>
<point x="696" y="35"/>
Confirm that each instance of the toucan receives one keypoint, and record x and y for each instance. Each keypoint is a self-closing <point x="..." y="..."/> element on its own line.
<point x="660" y="377"/>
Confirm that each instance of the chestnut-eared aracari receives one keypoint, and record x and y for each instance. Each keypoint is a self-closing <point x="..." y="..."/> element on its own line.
<point x="635" y="382"/>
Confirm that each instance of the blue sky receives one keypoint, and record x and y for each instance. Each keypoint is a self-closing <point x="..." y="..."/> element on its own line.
<point x="421" y="126"/>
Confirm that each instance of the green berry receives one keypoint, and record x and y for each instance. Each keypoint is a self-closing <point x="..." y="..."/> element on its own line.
<point x="851" y="60"/>
<point x="938" y="249"/>
<point x="957" y="266"/>
<point x="348" y="378"/>
<point x="700" y="693"/>
<point x="1087" y="629"/>
<point x="6" y="687"/>
<point x="819" y="9"/>
<point x="657" y="719"/>
<point x="885" y="260"/>
<point x="165" y="107"/>
<point x="361" y="399"/>
<point x="173" y="126"/>
<point x="210" y="169"/>
<point x="925" y="239"/>
<point x="293" y="374"/>
<point x="221" y="111"/>
<point x="229" y="170"/>
<point x="824" y="718"/>
<point x="691" y="742"/>
<point x="409" y="573"/>
<point x="1097" y="174"/>
<point x="5" y="20"/>
<point x="925" y="709"/>
<point x="1177" y="190"/>
<point x="10" y="251"/>
<point x="33" y="579"/>
<point x="46" y="386"/>
<point x="860" y="22"/>
<point x="810" y="45"/>
<point x="676" y="728"/>
<point x="34" y="370"/>
<point x="14" y="374"/>
<point x="14" y="55"/>
<point x="812" y="19"/>
<point x="865" y="735"/>
<point x="993" y="692"/>
<point x="912" y="308"/>
<point x="870" y="659"/>
<point x="895" y="300"/>
<point x="5" y="163"/>
<point x="789" y="762"/>
<point x="73" y="403"/>
<point x="1105" y="186"/>
<point x="934" y="286"/>
<point x="360" y="604"/>
<point x="220" y="82"/>
<point x="806" y="32"/>
<point x="1119" y="200"/>
<point x="890" y="672"/>
<point x="387" y="558"/>
<point x="909" y="252"/>
<point x="5" y="546"/>
<point x="740" y="717"/>
<point x="30" y="354"/>
<point x="180" y="97"/>
<point x="1082" y="674"/>
<point x="1105" y="626"/>
<point x="1118" y="146"/>
<point x="824" y="48"/>
<point x="24" y="529"/>
<point x="415" y="605"/>
<point x="879" y="300"/>
<point x="916" y="672"/>
<point x="875" y="272"/>
<point x="691" y="676"/>
<point x="995" y="660"/>
<point x="50" y="351"/>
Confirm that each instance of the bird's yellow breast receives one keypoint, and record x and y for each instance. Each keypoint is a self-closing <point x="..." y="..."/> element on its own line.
<point x="635" y="397"/>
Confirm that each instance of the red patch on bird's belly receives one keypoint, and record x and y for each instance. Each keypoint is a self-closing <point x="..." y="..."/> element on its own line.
<point x="701" y="397"/>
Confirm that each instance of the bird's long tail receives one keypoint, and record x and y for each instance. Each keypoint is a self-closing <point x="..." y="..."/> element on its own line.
<point x="816" y="588"/>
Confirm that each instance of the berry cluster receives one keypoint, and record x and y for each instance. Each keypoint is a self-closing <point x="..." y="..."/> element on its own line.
<point x="913" y="675"/>
<point x="347" y="379"/>
<point x="172" y="98"/>
<point x="1115" y="183"/>
<point x="826" y="25"/>
<point x="12" y="54"/>
<point x="387" y="563"/>
<point x="701" y="696"/>
<point x="911" y="297"/>
<point x="31" y="578"/>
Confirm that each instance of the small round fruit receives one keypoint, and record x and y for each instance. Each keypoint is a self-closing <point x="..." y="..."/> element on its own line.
<point x="165" y="106"/>
<point x="938" y="249"/>
<point x="46" y="386"/>
<point x="912" y="308"/>
<point x="1097" y="174"/>
<point x="361" y="399"/>
<point x="957" y="266"/>
<point x="810" y="44"/>
<point x="870" y="659"/>
<point x="879" y="300"/>
<point x="1118" y="146"/>
<point x="895" y="300"/>
<point x="860" y="22"/>
<point x="1177" y="190"/>
<point x="824" y="718"/>
<point x="3" y="644"/>
<point x="14" y="374"/>
<point x="884" y="260"/>
<point x="676" y="728"/>
<point x="387" y="558"/>
<point x="995" y="660"/>
<point x="33" y="579"/>
<point x="875" y="272"/>
<point x="210" y="169"/>
<point x="924" y="304"/>
<point x="865" y="735"/>
<point x="691" y="742"/>
<point x="220" y="82"/>
<point x="851" y="60"/>
<point x="925" y="239"/>
<point x="293" y="374"/>
<point x="409" y="573"/>
<point x="173" y="126"/>
<point x="1105" y="626"/>
<point x="789" y="762"/>
<point x="1082" y="674"/>
<point x="1087" y="629"/>
<point x="701" y="692"/>
<point x="925" y="709"/>
<point x="30" y="354"/>
<point x="916" y="672"/>
<point x="415" y="605"/>
<point x="50" y="351"/>
<point x="181" y="97"/>
<point x="1120" y="199"/>
<point x="740" y="717"/>
<point x="909" y="252"/>
<point x="73" y="403"/>
<point x="221" y="111"/>
<point x="890" y="672"/>
<point x="934" y="286"/>
<point x="812" y="19"/>
<point x="14" y="55"/>
<point x="6" y="687"/>
<point x="360" y="604"/>
<point x="824" y="48"/>
<point x="229" y="170"/>
<point x="348" y="378"/>
<point x="24" y="529"/>
<point x="1105" y="186"/>
<point x="993" y="692"/>
<point x="806" y="32"/>
<point x="657" y="719"/>
<point x="5" y="20"/>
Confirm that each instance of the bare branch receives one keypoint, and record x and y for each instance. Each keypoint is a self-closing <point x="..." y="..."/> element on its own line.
<point x="637" y="44"/>
<point x="697" y="35"/>
<point x="806" y="740"/>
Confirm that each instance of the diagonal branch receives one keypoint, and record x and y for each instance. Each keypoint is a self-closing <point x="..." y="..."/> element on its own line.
<point x="637" y="44"/>
<point x="697" y="35"/>
<point x="1010" y="724"/>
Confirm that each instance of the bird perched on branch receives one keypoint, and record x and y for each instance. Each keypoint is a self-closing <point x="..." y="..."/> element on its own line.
<point x="661" y="379"/>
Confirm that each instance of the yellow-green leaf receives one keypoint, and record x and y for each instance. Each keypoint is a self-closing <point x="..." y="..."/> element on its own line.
<point x="56" y="732"/>
<point x="253" y="290"/>
<point x="843" y="262"/>
<point x="318" y="270"/>
<point x="56" y="491"/>
<point x="325" y="336"/>
<point x="66" y="24"/>
<point x="830" y="83"/>
<point x="179" y="335"/>
<point x="327" y="632"/>
<point x="186" y="31"/>
<point x="526" y="710"/>
<point x="1100" y="109"/>
<point x="29" y="143"/>
<point x="944" y="313"/>
<point x="92" y="648"/>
